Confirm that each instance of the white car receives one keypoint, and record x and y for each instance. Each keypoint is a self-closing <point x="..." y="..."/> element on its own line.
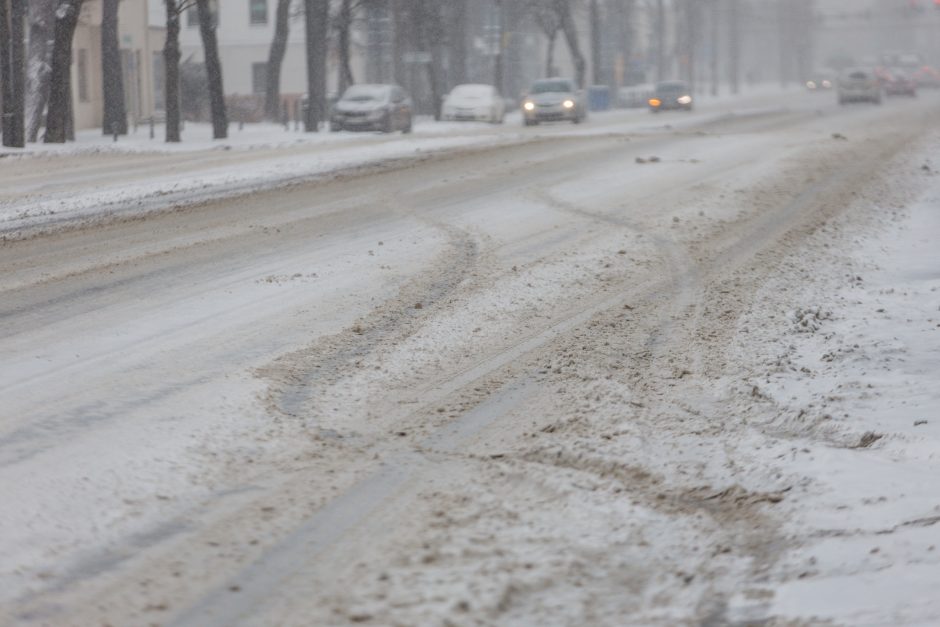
<point x="859" y="85"/>
<point x="554" y="99"/>
<point x="479" y="103"/>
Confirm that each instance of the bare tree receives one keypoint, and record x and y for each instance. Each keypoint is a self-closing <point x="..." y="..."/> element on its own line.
<point x="272" y="91"/>
<point x="344" y="23"/>
<point x="569" y="28"/>
<point x="171" y="67"/>
<point x="317" y="23"/>
<point x="12" y="71"/>
<point x="545" y="17"/>
<point x="210" y="47"/>
<point x="6" y="74"/>
<point x="115" y="113"/>
<point x="39" y="63"/>
<point x="60" y="97"/>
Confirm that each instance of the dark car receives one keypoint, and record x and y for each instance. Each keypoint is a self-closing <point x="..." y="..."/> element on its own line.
<point x="385" y="108"/>
<point x="674" y="95"/>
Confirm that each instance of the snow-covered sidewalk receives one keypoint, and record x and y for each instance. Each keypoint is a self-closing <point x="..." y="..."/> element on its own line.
<point x="844" y="380"/>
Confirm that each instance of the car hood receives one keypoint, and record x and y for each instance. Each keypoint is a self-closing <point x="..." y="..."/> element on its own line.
<point x="358" y="107"/>
<point x="467" y="103"/>
<point x="551" y="98"/>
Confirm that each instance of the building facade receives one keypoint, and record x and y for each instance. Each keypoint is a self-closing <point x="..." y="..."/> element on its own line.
<point x="140" y="39"/>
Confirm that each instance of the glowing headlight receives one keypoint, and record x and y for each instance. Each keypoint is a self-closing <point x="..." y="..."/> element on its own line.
<point x="568" y="104"/>
<point x="827" y="84"/>
<point x="529" y="106"/>
<point x="655" y="102"/>
<point x="684" y="99"/>
<point x="811" y="84"/>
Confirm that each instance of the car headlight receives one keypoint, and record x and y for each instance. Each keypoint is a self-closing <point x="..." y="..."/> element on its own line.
<point x="568" y="104"/>
<point x="827" y="84"/>
<point x="655" y="102"/>
<point x="811" y="84"/>
<point x="684" y="99"/>
<point x="529" y="106"/>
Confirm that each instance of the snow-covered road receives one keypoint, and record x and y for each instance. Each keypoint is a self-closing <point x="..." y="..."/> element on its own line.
<point x="670" y="370"/>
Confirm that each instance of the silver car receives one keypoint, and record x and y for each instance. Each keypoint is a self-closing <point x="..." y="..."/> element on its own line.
<point x="383" y="108"/>
<point x="554" y="99"/>
<point x="859" y="85"/>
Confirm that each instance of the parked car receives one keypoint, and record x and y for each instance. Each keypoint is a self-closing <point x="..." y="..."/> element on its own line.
<point x="671" y="95"/>
<point x="859" y="85"/>
<point x="554" y="99"/>
<point x="927" y="77"/>
<point x="385" y="108"/>
<point x="480" y="103"/>
<point x="897" y="82"/>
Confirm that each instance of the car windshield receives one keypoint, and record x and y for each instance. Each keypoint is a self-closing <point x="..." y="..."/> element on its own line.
<point x="671" y="88"/>
<point x="858" y="75"/>
<point x="366" y="93"/>
<point x="472" y="92"/>
<point x="545" y="87"/>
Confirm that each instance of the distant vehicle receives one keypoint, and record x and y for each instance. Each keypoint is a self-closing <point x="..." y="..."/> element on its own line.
<point x="385" y="108"/>
<point x="820" y="81"/>
<point x="671" y="95"/>
<point x="859" y="85"/>
<point x="897" y="82"/>
<point x="926" y="77"/>
<point x="554" y="99"/>
<point x="481" y="103"/>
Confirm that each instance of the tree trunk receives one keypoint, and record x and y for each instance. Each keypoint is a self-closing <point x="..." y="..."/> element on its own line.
<point x="115" y="113"/>
<point x="272" y="91"/>
<point x="210" y="49"/>
<point x="316" y="21"/>
<point x="345" y="26"/>
<point x="171" y="63"/>
<point x="458" y="41"/>
<point x="57" y="120"/>
<point x="570" y="29"/>
<point x="18" y="79"/>
<point x="39" y="63"/>
<point x="6" y="75"/>
<point x="550" y="60"/>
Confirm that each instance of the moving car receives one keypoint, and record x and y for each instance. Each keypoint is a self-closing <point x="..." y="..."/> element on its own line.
<point x="554" y="99"/>
<point x="671" y="95"/>
<point x="859" y="85"/>
<point x="898" y="82"/>
<point x="820" y="81"/>
<point x="383" y="108"/>
<point x="481" y="103"/>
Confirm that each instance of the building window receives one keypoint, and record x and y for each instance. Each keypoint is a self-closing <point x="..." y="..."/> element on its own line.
<point x="192" y="15"/>
<point x="82" y="75"/>
<point x="258" y="11"/>
<point x="259" y="78"/>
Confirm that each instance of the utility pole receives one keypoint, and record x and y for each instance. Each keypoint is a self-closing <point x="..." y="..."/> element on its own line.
<point x="660" y="40"/>
<point x="713" y="45"/>
<point x="734" y="45"/>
